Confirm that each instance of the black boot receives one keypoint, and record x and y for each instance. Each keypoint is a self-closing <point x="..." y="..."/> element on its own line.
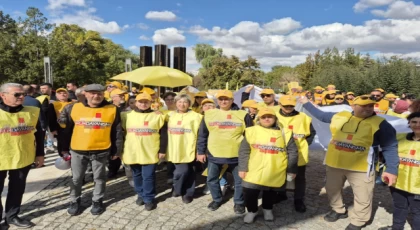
<point x="97" y="208"/>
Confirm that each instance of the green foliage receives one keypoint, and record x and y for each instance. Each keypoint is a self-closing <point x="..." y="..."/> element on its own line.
<point x="76" y="54"/>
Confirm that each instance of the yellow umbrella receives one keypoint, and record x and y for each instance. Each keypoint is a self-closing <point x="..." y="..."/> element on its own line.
<point x="157" y="76"/>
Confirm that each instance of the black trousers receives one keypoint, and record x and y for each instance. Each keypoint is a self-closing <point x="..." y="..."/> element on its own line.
<point x="404" y="202"/>
<point x="114" y="165"/>
<point x="184" y="179"/>
<point x="251" y="199"/>
<point x="170" y="168"/>
<point x="300" y="184"/>
<point x="17" y="184"/>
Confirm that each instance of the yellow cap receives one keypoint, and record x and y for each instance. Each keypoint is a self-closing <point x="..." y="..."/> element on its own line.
<point x="116" y="92"/>
<point x="380" y="90"/>
<point x="133" y="88"/>
<point x="116" y="84"/>
<point x="391" y="95"/>
<point x="339" y="96"/>
<point x="143" y="96"/>
<point x="225" y="93"/>
<point x="61" y="90"/>
<point x="250" y="104"/>
<point x="331" y="91"/>
<point x="205" y="101"/>
<point x="287" y="100"/>
<point x="147" y="90"/>
<point x="266" y="111"/>
<point x="125" y="87"/>
<point x="318" y="87"/>
<point x="299" y="87"/>
<point x="331" y="86"/>
<point x="350" y="93"/>
<point x="200" y="94"/>
<point x="363" y="100"/>
<point x="267" y="91"/>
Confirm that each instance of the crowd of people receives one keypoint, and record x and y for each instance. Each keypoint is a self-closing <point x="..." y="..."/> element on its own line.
<point x="263" y="145"/>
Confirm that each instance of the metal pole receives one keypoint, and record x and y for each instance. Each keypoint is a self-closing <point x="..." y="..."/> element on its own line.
<point x="128" y="69"/>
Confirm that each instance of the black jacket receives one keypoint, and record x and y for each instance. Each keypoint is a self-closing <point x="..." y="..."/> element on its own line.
<point x="117" y="136"/>
<point x="30" y="101"/>
<point x="39" y="134"/>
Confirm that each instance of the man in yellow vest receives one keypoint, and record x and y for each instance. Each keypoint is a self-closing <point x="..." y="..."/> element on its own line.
<point x="304" y="133"/>
<point x="220" y="135"/>
<point x="318" y="95"/>
<point x="268" y="96"/>
<point x="92" y="132"/>
<point x="351" y="156"/>
<point x="54" y="113"/>
<point x="21" y="144"/>
<point x="382" y="105"/>
<point x="350" y="97"/>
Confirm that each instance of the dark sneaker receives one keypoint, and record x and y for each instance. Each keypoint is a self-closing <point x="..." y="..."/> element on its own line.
<point x="4" y="225"/>
<point x="300" y="206"/>
<point x="239" y="209"/>
<point x="150" y="206"/>
<point x="353" y="227"/>
<point x="281" y="196"/>
<point x="187" y="199"/>
<point x="333" y="216"/>
<point x="97" y="208"/>
<point x="213" y="206"/>
<point x="20" y="223"/>
<point x="139" y="201"/>
<point x="385" y="228"/>
<point x="74" y="208"/>
<point x="174" y="194"/>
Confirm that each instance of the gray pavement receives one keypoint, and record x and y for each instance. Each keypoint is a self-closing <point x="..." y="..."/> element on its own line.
<point x="47" y="209"/>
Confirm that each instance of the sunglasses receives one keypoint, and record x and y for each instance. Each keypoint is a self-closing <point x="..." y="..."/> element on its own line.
<point x="376" y="95"/>
<point x="288" y="106"/>
<point x="17" y="95"/>
<point x="371" y="97"/>
<point x="339" y="99"/>
<point x="112" y="86"/>
<point x="265" y="95"/>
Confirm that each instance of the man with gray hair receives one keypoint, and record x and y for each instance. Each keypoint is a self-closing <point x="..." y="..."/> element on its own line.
<point x="80" y="94"/>
<point x="22" y="144"/>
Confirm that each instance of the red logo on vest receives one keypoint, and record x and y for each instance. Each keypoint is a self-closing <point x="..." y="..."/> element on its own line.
<point x="146" y="123"/>
<point x="376" y="105"/>
<point x="179" y="122"/>
<point x="229" y="116"/>
<point x="412" y="152"/>
<point x="349" y="137"/>
<point x="99" y="116"/>
<point x="290" y="126"/>
<point x="273" y="140"/>
<point x="21" y="120"/>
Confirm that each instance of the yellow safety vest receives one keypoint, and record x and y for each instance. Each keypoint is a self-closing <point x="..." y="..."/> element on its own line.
<point x="350" y="101"/>
<point x="390" y="112"/>
<point x="318" y="98"/>
<point x="58" y="107"/>
<point x="409" y="168"/>
<point x="381" y="107"/>
<point x="182" y="136"/>
<point x="42" y="98"/>
<point x="300" y="127"/>
<point x="17" y="139"/>
<point x="349" y="149"/>
<point x="142" y="139"/>
<point x="267" y="163"/>
<point x="226" y="130"/>
<point x="92" y="127"/>
<point x="196" y="109"/>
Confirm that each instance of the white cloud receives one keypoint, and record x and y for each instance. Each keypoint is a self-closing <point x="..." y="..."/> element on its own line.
<point x="282" y="26"/>
<point x="142" y="26"/>
<point x="134" y="48"/>
<point x="399" y="10"/>
<point x="160" y="15"/>
<point x="144" y="38"/>
<point x="362" y="5"/>
<point x="168" y="36"/>
<point x="59" y="4"/>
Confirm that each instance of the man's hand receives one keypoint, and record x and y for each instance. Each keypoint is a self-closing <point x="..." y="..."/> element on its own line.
<point x="303" y="100"/>
<point x="242" y="174"/>
<point x="114" y="157"/>
<point x="39" y="161"/>
<point x="162" y="156"/>
<point x="389" y="178"/>
<point x="201" y="158"/>
<point x="249" y="88"/>
<point x="54" y="132"/>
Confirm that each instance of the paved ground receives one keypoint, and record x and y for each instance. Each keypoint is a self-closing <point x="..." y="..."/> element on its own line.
<point x="48" y="208"/>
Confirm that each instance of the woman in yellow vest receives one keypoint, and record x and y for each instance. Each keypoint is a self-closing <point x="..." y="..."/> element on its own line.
<point x="318" y="95"/>
<point x="198" y="98"/>
<point x="399" y="109"/>
<point x="329" y="97"/>
<point x="183" y="127"/>
<point x="406" y="192"/>
<point x="350" y="97"/>
<point x="267" y="156"/>
<point x="146" y="139"/>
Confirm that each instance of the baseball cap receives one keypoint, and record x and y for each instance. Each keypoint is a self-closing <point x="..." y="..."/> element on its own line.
<point x="350" y="93"/>
<point x="147" y="90"/>
<point x="380" y="90"/>
<point x="117" y="92"/>
<point x="339" y="96"/>
<point x="267" y="91"/>
<point x="94" y="87"/>
<point x="207" y="100"/>
<point x="391" y="95"/>
<point x="224" y="93"/>
<point x="200" y="94"/>
<point x="266" y="111"/>
<point x="288" y="100"/>
<point x="143" y="96"/>
<point x="61" y="90"/>
<point x="331" y="86"/>
<point x="364" y="100"/>
<point x="116" y="84"/>
<point x="318" y="87"/>
<point x="250" y="104"/>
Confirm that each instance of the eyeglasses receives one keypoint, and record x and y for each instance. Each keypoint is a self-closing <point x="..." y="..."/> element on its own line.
<point x="357" y="127"/>
<point x="339" y="99"/>
<point x="371" y="97"/>
<point x="288" y="106"/>
<point x="265" y="95"/>
<point x="376" y="95"/>
<point x="223" y="99"/>
<point x="112" y="86"/>
<point x="17" y="95"/>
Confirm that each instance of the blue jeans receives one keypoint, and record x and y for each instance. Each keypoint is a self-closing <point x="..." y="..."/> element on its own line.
<point x="404" y="202"/>
<point x="184" y="179"/>
<point x="144" y="178"/>
<point x="214" y="185"/>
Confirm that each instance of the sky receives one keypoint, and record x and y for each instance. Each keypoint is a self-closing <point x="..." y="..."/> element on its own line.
<point x="276" y="32"/>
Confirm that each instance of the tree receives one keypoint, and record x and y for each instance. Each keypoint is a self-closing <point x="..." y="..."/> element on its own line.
<point x="9" y="61"/>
